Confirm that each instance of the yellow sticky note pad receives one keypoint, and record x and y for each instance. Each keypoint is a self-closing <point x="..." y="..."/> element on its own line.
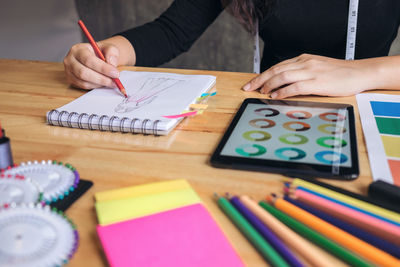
<point x="129" y="208"/>
<point x="141" y="190"/>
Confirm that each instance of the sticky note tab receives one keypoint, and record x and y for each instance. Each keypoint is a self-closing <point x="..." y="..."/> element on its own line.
<point x="208" y="94"/>
<point x="182" y="115"/>
<point x="198" y="106"/>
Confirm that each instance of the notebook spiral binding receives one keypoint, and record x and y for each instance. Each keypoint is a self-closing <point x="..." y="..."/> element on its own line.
<point x="104" y="122"/>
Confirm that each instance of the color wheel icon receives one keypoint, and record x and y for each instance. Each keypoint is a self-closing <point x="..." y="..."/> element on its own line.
<point x="331" y="157"/>
<point x="266" y="112"/>
<point x="331" y="128"/>
<point x="296" y="126"/>
<point x="293" y="139"/>
<point x="290" y="153"/>
<point x="262" y="123"/>
<point x="299" y="114"/>
<point x="250" y="150"/>
<point x="331" y="142"/>
<point x="257" y="136"/>
<point x="332" y="116"/>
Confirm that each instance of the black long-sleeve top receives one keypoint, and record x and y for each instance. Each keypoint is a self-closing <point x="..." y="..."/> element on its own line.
<point x="293" y="27"/>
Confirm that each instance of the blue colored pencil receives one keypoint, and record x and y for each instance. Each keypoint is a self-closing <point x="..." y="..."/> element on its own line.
<point x="384" y="245"/>
<point x="269" y="236"/>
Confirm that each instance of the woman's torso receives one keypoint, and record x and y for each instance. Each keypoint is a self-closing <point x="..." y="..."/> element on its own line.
<point x="295" y="27"/>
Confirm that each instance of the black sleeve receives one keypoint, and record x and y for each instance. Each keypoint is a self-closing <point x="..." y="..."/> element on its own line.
<point x="173" y="32"/>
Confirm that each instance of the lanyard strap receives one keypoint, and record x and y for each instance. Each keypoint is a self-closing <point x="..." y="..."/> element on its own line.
<point x="350" y="40"/>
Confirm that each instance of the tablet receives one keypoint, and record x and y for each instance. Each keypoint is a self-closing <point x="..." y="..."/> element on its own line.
<point x="294" y="138"/>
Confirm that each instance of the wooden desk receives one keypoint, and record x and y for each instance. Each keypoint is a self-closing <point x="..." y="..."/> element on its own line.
<point x="113" y="160"/>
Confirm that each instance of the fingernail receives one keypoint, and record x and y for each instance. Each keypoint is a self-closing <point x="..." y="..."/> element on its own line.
<point x="113" y="61"/>
<point x="114" y="74"/>
<point x="246" y="87"/>
<point x="274" y="95"/>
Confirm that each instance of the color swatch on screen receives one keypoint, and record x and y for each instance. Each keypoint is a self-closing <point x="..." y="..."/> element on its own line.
<point x="380" y="117"/>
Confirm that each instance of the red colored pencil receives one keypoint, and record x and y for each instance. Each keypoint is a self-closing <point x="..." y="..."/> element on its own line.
<point x="100" y="55"/>
<point x="1" y="131"/>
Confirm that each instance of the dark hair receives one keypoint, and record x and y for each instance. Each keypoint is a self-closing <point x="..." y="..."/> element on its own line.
<point x="248" y="11"/>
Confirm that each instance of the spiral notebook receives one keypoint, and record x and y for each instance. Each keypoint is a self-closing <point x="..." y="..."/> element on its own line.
<point x="151" y="96"/>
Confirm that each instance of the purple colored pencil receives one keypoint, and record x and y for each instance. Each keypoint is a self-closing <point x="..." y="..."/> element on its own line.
<point x="269" y="236"/>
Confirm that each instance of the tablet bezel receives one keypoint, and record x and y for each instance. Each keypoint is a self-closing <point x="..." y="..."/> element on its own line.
<point x="293" y="169"/>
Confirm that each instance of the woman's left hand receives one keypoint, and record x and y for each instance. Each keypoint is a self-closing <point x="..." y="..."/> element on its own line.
<point x="317" y="75"/>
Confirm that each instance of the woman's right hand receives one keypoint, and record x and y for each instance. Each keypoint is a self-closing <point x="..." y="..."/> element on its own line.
<point x="85" y="70"/>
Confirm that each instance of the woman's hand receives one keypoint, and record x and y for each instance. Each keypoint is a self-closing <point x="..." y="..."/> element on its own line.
<point x="318" y="75"/>
<point x="85" y="70"/>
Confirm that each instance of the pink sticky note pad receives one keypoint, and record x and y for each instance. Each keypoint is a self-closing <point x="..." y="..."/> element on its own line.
<point x="186" y="236"/>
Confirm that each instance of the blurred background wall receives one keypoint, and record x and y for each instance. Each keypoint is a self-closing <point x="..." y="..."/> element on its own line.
<point x="46" y="29"/>
<point x="224" y="46"/>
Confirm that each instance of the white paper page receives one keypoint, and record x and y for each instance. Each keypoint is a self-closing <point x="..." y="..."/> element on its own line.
<point x="376" y="152"/>
<point x="151" y="95"/>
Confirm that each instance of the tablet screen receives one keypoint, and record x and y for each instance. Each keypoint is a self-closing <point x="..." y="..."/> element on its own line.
<point x="310" y="135"/>
<point x="298" y="133"/>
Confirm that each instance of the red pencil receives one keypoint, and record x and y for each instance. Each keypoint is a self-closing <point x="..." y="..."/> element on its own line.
<point x="100" y="55"/>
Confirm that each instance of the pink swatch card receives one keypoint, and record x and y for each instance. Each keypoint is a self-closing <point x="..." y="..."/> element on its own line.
<point x="186" y="236"/>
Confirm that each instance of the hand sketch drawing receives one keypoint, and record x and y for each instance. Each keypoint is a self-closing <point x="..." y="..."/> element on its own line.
<point x="149" y="91"/>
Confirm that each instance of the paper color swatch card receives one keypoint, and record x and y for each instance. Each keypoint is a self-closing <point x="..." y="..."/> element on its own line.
<point x="380" y="118"/>
<point x="186" y="236"/>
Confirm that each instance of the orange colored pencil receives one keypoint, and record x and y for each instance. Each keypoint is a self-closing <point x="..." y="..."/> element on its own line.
<point x="343" y="238"/>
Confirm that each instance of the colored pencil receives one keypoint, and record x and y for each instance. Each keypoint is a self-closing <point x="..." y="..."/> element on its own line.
<point x="343" y="238"/>
<point x="371" y="224"/>
<point x="100" y="54"/>
<point x="251" y="234"/>
<point x="363" y="235"/>
<point x="368" y="199"/>
<point x="292" y="239"/>
<point x="268" y="235"/>
<point x="352" y="201"/>
<point x="316" y="238"/>
<point x="292" y="188"/>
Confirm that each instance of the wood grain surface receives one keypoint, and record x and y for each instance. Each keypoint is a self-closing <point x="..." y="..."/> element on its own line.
<point x="29" y="89"/>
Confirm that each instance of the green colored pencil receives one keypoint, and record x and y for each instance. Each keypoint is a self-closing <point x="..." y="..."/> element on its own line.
<point x="251" y="234"/>
<point x="315" y="237"/>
